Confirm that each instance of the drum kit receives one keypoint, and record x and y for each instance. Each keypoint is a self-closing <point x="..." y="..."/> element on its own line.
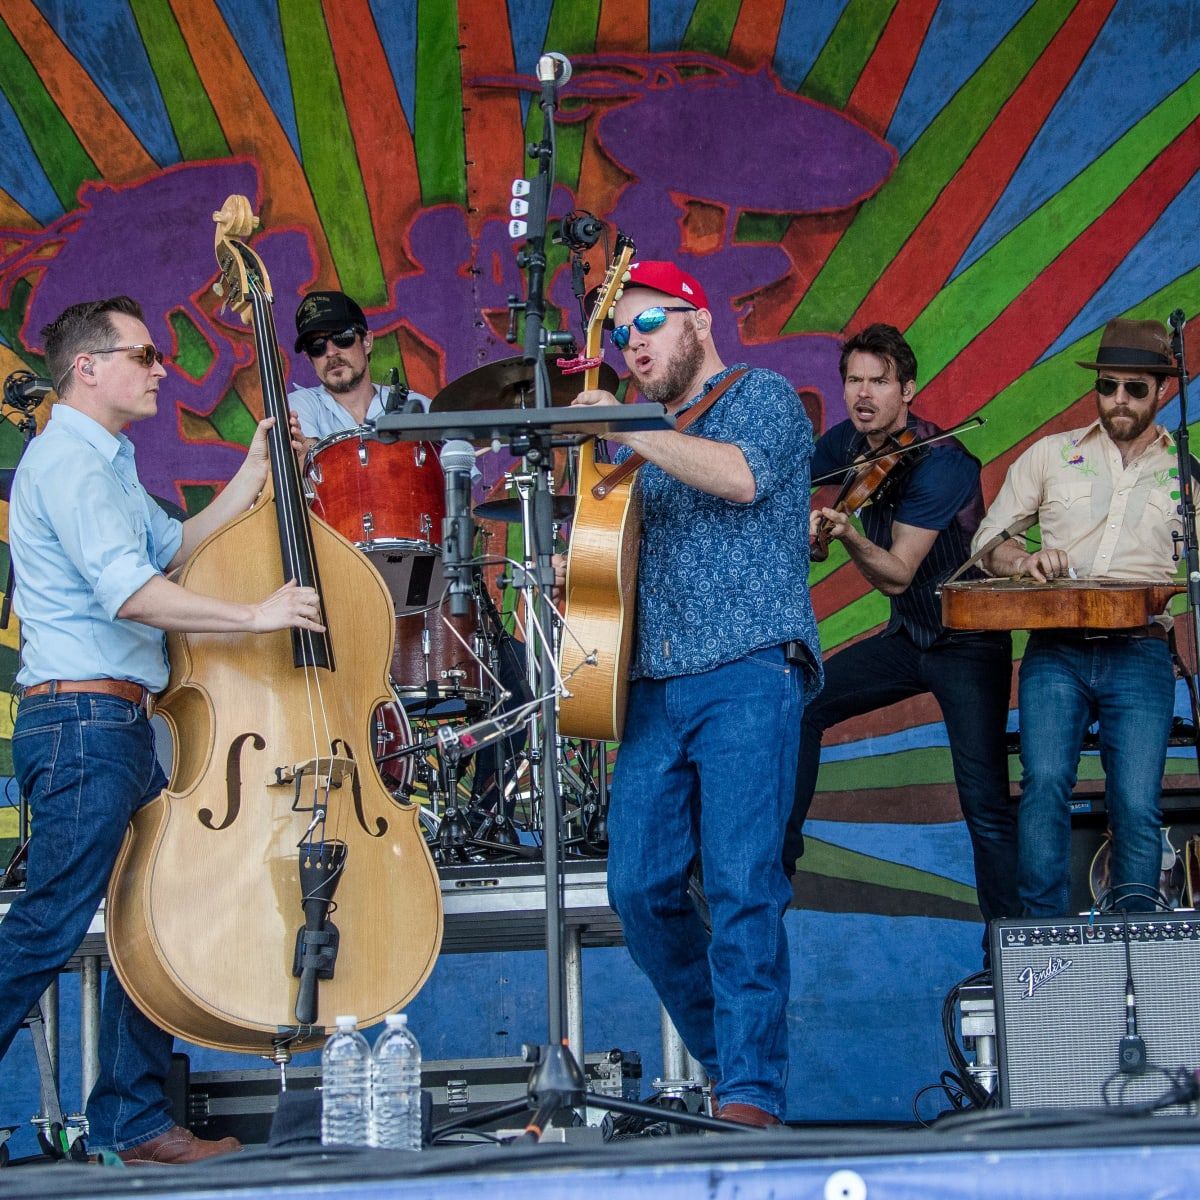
<point x="451" y="673"/>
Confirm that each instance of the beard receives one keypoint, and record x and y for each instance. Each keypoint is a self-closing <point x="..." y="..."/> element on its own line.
<point x="1132" y="431"/>
<point x="339" y="387"/>
<point x="680" y="373"/>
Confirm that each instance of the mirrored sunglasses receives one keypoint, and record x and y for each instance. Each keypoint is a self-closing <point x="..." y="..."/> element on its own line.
<point x="646" y="321"/>
<point x="317" y="347"/>
<point x="1139" y="389"/>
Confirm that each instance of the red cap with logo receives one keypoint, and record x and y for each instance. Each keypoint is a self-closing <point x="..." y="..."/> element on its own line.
<point x="667" y="278"/>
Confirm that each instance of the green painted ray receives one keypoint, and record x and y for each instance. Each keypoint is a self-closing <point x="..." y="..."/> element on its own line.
<point x="836" y="862"/>
<point x="832" y="77"/>
<point x="233" y="421"/>
<point x="973" y="299"/>
<point x="328" y="151"/>
<point x="710" y="27"/>
<point x="437" y="121"/>
<point x="197" y="496"/>
<point x="884" y="221"/>
<point x="197" y="130"/>
<point x="385" y="354"/>
<point x="193" y="354"/>
<point x="61" y="154"/>
<point x="857" y="617"/>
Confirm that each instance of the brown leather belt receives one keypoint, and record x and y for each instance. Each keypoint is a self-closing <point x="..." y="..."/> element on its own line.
<point x="124" y="688"/>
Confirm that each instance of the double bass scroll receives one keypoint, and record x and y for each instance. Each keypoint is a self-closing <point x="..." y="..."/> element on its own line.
<point x="994" y="604"/>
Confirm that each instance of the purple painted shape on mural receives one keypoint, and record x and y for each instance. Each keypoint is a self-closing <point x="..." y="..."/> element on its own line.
<point x="102" y="248"/>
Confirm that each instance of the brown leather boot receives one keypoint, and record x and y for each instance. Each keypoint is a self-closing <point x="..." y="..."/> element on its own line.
<point x="746" y="1114"/>
<point x="177" y="1145"/>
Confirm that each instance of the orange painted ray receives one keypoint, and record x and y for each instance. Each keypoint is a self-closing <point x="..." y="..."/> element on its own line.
<point x="108" y="141"/>
<point x="624" y="25"/>
<point x="933" y="249"/>
<point x="250" y="126"/>
<point x="386" y="156"/>
<point x="493" y="132"/>
<point x="755" y="33"/>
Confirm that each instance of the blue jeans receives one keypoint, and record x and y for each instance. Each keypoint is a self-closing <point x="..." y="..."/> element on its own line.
<point x="969" y="676"/>
<point x="1129" y="687"/>
<point x="86" y="763"/>
<point x="705" y="771"/>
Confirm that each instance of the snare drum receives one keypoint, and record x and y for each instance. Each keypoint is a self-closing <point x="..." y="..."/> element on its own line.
<point x="393" y="733"/>
<point x="388" y="498"/>
<point x="432" y="673"/>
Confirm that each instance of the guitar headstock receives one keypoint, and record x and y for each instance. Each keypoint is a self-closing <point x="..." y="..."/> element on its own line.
<point x="606" y="298"/>
<point x="242" y="271"/>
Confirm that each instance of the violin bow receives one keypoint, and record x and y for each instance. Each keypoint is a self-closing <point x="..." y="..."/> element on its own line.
<point x="832" y="476"/>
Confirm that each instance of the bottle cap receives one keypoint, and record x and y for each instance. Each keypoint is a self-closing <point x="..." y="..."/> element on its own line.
<point x="395" y="1020"/>
<point x="346" y="1022"/>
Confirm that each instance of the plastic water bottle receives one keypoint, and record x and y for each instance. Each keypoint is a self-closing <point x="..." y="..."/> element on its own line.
<point x="396" y="1087"/>
<point x="346" y="1086"/>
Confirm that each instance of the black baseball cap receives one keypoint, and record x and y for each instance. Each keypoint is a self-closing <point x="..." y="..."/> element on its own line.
<point x="327" y="312"/>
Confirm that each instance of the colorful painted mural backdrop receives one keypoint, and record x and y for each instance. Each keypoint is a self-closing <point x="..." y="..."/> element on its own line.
<point x="997" y="179"/>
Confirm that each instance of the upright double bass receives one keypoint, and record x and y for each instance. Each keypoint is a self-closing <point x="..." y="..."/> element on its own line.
<point x="276" y="883"/>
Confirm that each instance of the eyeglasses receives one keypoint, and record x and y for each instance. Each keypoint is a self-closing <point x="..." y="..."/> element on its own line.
<point x="317" y="347"/>
<point x="646" y="321"/>
<point x="146" y="355"/>
<point x="1139" y="389"/>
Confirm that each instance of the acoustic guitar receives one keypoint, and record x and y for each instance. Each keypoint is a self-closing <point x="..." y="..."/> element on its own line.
<point x="602" y="566"/>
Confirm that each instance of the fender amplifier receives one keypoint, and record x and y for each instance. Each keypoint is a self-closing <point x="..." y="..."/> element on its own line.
<point x="1060" y="1006"/>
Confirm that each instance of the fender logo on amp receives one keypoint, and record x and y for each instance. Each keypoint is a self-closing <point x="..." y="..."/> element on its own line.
<point x="1032" y="978"/>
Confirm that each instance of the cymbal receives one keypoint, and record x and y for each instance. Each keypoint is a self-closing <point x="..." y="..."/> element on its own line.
<point x="563" y="509"/>
<point x="509" y="384"/>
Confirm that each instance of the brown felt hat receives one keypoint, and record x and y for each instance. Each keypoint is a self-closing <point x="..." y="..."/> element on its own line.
<point x="1134" y="346"/>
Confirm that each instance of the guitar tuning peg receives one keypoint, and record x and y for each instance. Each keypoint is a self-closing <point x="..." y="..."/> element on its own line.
<point x="625" y="276"/>
<point x="218" y="290"/>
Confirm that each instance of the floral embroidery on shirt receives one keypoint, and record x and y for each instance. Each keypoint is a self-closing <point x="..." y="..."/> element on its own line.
<point x="1077" y="461"/>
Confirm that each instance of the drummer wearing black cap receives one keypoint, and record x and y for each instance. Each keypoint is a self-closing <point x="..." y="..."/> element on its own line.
<point x="331" y="330"/>
<point x="1107" y="499"/>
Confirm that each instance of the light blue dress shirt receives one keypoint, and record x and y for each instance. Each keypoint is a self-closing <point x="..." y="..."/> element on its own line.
<point x="321" y="415"/>
<point x="84" y="536"/>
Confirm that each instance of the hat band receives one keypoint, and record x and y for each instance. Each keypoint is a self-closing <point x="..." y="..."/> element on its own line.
<point x="1120" y="356"/>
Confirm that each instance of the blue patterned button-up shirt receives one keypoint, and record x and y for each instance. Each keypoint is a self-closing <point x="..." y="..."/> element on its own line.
<point x="719" y="579"/>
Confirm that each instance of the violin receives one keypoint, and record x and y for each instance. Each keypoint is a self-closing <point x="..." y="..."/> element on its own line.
<point x="870" y="477"/>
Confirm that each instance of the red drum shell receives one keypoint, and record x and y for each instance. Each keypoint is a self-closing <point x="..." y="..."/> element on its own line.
<point x="388" y="498"/>
<point x="432" y="673"/>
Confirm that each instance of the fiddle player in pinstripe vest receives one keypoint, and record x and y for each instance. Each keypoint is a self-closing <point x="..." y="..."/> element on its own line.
<point x="912" y="538"/>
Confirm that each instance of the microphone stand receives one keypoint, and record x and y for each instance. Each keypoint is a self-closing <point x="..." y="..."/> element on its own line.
<point x="1187" y="513"/>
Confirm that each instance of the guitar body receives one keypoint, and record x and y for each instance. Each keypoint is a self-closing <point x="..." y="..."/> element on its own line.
<point x="599" y="610"/>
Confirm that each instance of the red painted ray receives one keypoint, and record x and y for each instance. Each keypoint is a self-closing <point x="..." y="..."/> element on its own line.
<point x="1012" y="343"/>
<point x="885" y="76"/>
<point x="755" y="33"/>
<point x="377" y="120"/>
<point x="931" y="252"/>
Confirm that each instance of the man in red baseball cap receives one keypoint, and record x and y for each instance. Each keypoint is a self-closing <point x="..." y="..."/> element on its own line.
<point x="726" y="645"/>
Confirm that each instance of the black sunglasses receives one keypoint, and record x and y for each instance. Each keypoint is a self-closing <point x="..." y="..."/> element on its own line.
<point x="1139" y="389"/>
<point x="316" y="347"/>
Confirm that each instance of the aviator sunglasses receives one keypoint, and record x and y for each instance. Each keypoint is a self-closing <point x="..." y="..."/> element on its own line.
<point x="646" y="321"/>
<point x="1139" y="389"/>
<point x="316" y="347"/>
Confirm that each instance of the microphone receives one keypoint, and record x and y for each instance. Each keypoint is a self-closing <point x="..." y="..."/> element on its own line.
<point x="458" y="743"/>
<point x="26" y="391"/>
<point x="397" y="397"/>
<point x="1177" y="320"/>
<point x="458" y="528"/>
<point x="553" y="70"/>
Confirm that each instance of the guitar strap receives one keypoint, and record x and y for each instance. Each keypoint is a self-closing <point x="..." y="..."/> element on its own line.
<point x="631" y="464"/>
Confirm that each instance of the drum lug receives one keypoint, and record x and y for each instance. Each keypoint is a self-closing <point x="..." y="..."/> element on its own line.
<point x="419" y="454"/>
<point x="315" y="473"/>
<point x="426" y="523"/>
<point x="368" y="524"/>
<point x="362" y="453"/>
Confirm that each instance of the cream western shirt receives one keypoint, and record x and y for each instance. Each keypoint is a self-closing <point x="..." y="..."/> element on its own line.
<point x="1114" y="521"/>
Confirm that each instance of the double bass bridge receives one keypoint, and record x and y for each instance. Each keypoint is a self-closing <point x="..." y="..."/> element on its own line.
<point x="316" y="777"/>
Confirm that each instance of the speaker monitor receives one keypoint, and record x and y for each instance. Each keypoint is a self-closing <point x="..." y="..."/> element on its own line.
<point x="1060" y="1006"/>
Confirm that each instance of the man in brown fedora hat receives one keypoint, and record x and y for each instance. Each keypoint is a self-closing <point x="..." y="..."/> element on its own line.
<point x="1106" y="497"/>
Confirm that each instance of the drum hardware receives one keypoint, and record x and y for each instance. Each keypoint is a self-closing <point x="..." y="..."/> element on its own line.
<point x="362" y="453"/>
